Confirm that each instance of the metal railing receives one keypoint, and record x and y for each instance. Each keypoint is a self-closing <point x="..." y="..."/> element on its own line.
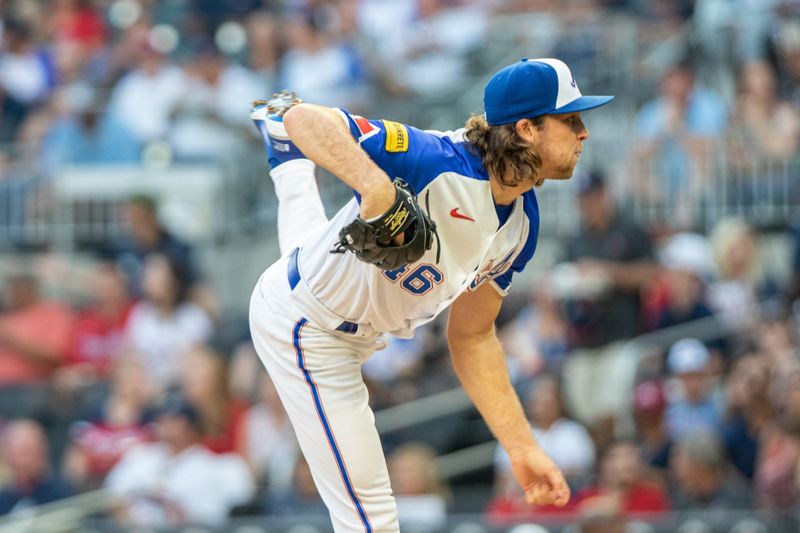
<point x="208" y="203"/>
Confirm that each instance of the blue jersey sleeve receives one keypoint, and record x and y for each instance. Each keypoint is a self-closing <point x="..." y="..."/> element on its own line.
<point x="531" y="207"/>
<point x="403" y="151"/>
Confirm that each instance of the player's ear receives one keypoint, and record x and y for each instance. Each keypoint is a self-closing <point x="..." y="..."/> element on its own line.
<point x="526" y="129"/>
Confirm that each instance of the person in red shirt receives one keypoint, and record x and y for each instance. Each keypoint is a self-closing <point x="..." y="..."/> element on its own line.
<point x="621" y="484"/>
<point x="111" y="426"/>
<point x="205" y="384"/>
<point x="77" y="24"/>
<point x="34" y="340"/>
<point x="100" y="327"/>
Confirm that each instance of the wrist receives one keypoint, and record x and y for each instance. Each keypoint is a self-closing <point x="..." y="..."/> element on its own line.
<point x="376" y="199"/>
<point x="523" y="448"/>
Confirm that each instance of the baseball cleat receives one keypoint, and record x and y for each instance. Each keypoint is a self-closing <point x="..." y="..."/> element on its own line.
<point x="267" y="115"/>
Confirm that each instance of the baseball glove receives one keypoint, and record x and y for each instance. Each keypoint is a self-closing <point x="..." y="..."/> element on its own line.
<point x="372" y="240"/>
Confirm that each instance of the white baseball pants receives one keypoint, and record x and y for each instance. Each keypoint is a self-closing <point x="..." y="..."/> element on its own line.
<point x="318" y="377"/>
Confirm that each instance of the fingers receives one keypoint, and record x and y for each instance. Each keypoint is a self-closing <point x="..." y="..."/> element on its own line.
<point x="560" y="489"/>
<point x="552" y="491"/>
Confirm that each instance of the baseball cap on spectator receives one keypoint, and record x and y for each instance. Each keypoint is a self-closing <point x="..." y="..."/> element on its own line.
<point x="535" y="87"/>
<point x="649" y="397"/>
<point x="688" y="356"/>
<point x="689" y="252"/>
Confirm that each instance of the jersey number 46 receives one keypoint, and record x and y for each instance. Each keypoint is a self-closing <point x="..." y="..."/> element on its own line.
<point x="418" y="281"/>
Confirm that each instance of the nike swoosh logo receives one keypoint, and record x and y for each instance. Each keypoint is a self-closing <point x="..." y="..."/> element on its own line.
<point x="455" y="214"/>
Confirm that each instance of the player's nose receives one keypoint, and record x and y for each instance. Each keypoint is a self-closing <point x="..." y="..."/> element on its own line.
<point x="583" y="134"/>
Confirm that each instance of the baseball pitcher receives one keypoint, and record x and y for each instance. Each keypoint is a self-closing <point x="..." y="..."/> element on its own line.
<point x="438" y="220"/>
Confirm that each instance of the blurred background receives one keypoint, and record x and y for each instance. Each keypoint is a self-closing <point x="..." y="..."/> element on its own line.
<point x="654" y="339"/>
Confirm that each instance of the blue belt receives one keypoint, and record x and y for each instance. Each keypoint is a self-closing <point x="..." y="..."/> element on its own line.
<point x="293" y="273"/>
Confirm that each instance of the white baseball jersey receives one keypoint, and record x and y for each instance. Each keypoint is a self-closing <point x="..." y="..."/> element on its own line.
<point x="481" y="242"/>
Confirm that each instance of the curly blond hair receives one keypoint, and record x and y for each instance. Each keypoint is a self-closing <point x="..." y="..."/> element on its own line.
<point x="504" y="153"/>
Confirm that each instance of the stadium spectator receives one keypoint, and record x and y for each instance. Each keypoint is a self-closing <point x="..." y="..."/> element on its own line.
<point x="703" y="479"/>
<point x="143" y="99"/>
<point x="679" y="293"/>
<point x="35" y="335"/>
<point x="176" y="481"/>
<point x="78" y="34"/>
<point x="98" y="337"/>
<point x="264" y="47"/>
<point x="649" y="407"/>
<point x="207" y="121"/>
<point x="749" y="409"/>
<point x="26" y="76"/>
<point x="204" y="382"/>
<point x="784" y="387"/>
<point x="144" y="234"/>
<point x="32" y="479"/>
<point x="613" y="257"/>
<point x="420" y="493"/>
<point x="763" y="126"/>
<point x="383" y="26"/>
<point x="77" y="23"/>
<point x="622" y="485"/>
<point x="742" y="282"/>
<point x="434" y="51"/>
<point x="318" y="67"/>
<point x="81" y="133"/>
<point x="777" y="486"/>
<point x="106" y="430"/>
<point x="676" y="132"/>
<point x="164" y="326"/>
<point x="693" y="406"/>
<point x="96" y="343"/>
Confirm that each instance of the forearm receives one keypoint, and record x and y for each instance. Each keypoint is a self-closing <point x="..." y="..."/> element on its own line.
<point x="322" y="136"/>
<point x="481" y="367"/>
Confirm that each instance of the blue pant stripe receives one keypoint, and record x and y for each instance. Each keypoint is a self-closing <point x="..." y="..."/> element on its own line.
<point x="328" y="433"/>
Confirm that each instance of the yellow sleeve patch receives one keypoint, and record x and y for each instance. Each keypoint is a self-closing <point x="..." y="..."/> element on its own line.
<point x="396" y="136"/>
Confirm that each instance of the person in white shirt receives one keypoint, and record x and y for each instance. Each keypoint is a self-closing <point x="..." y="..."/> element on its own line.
<point x="143" y="99"/>
<point x="164" y="326"/>
<point x="566" y="441"/>
<point x="176" y="481"/>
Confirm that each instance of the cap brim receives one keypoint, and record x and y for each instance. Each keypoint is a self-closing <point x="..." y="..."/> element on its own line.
<point x="584" y="103"/>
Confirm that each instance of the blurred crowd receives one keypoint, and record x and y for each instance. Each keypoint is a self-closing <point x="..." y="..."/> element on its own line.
<point x="704" y="416"/>
<point x="134" y="379"/>
<point x="709" y="117"/>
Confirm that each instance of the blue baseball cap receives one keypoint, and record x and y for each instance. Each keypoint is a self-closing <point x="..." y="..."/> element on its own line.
<point x="533" y="87"/>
